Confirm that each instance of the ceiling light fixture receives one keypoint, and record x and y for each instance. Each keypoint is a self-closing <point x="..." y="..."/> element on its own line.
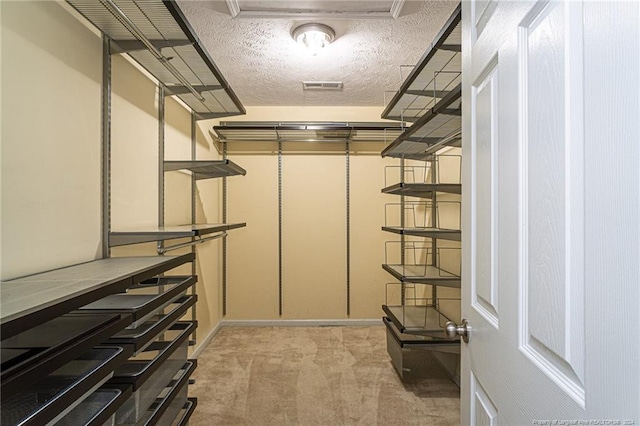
<point x="314" y="37"/>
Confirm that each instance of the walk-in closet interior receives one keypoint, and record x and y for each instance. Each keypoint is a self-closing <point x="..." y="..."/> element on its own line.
<point x="146" y="206"/>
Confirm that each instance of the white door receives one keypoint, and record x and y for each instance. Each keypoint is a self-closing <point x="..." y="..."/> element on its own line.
<point x="551" y="121"/>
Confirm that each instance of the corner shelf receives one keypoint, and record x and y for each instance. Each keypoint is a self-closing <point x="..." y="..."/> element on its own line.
<point x="425" y="320"/>
<point x="157" y="35"/>
<point x="206" y="169"/>
<point x="441" y="126"/>
<point x="431" y="98"/>
<point x="422" y="190"/>
<point x="162" y="233"/>
<point x="433" y="78"/>
<point x="421" y="274"/>
<point x="442" y="234"/>
<point x="417" y="341"/>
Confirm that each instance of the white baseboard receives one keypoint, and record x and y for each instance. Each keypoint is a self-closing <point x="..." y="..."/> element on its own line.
<point x="202" y="346"/>
<point x="302" y="323"/>
<point x="282" y="323"/>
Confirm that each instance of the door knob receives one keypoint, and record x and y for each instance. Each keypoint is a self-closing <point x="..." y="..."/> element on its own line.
<point x="451" y="330"/>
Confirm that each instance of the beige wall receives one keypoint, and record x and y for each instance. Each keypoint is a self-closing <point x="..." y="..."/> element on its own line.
<point x="368" y="279"/>
<point x="253" y="251"/>
<point x="314" y="236"/>
<point x="209" y="254"/>
<point x="314" y="224"/>
<point x="51" y="76"/>
<point x="134" y="147"/>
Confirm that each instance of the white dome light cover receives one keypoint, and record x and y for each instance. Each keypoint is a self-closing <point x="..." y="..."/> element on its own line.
<point x="314" y="37"/>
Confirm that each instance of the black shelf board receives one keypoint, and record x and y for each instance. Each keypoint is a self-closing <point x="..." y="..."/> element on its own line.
<point x="62" y="389"/>
<point x="154" y="414"/>
<point x="188" y="410"/>
<point x="426" y="321"/>
<point x="415" y="341"/>
<point x="30" y="301"/>
<point x="203" y="169"/>
<point x="52" y="344"/>
<point x="443" y="234"/>
<point x="139" y="306"/>
<point x="139" y="338"/>
<point x="98" y="412"/>
<point x="438" y="45"/>
<point x="433" y="276"/>
<point x="136" y="373"/>
<point x="162" y="233"/>
<point x="422" y="190"/>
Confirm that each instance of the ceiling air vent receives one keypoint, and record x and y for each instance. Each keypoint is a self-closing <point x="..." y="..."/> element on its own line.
<point x="322" y="85"/>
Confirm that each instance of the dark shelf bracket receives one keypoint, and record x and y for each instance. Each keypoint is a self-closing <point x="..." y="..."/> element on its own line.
<point x="163" y="250"/>
<point x="125" y="46"/>
<point x="182" y="90"/>
<point x="432" y="93"/>
<point x="451" y="47"/>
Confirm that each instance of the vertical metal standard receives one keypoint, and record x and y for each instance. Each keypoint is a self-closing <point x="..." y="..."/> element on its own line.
<point x="348" y="184"/>
<point x="106" y="146"/>
<point x="435" y="166"/>
<point x="161" y="120"/>
<point x="402" y="237"/>
<point x="224" y="239"/>
<point x="194" y="315"/>
<point x="280" y="228"/>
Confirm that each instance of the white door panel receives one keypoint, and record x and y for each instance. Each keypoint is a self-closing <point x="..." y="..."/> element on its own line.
<point x="552" y="202"/>
<point x="551" y="182"/>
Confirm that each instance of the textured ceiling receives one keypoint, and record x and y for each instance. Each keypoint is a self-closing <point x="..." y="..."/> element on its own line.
<point x="265" y="67"/>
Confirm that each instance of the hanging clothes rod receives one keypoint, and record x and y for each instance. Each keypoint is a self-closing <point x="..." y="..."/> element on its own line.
<point x="115" y="10"/>
<point x="163" y="250"/>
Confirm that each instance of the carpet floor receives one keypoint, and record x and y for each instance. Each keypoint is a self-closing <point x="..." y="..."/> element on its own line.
<point x="313" y="376"/>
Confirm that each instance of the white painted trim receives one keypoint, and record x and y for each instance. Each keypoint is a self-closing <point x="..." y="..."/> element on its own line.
<point x="396" y="8"/>
<point x="282" y="323"/>
<point x="236" y="12"/>
<point x="234" y="7"/>
<point x="302" y="323"/>
<point x="293" y="15"/>
<point x="200" y="348"/>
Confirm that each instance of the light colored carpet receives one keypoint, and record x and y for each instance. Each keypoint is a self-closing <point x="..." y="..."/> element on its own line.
<point x="313" y="376"/>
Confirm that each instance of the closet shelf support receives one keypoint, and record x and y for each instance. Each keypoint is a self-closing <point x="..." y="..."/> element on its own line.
<point x="163" y="250"/>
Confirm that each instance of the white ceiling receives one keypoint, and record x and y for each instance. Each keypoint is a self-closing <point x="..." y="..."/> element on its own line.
<point x="265" y="67"/>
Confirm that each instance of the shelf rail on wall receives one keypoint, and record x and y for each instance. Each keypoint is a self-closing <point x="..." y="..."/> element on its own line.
<point x="297" y="131"/>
